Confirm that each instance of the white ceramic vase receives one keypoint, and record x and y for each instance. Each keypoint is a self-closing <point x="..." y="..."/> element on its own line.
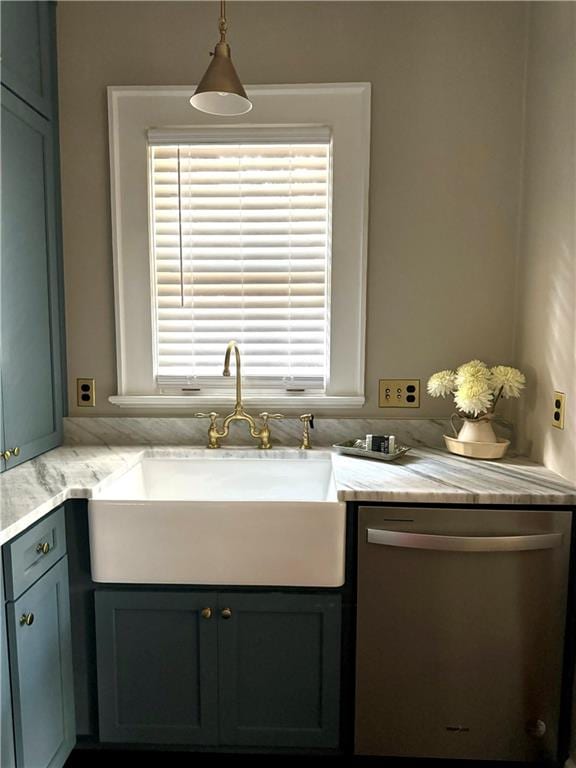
<point x="474" y="430"/>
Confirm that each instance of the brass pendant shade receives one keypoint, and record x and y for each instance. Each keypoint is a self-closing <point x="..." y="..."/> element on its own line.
<point x="220" y="91"/>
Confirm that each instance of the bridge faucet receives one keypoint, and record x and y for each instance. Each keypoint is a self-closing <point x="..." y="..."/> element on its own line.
<point x="215" y="433"/>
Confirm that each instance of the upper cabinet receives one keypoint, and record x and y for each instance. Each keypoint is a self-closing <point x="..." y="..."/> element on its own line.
<point x="31" y="297"/>
<point x="31" y="371"/>
<point x="27" y="52"/>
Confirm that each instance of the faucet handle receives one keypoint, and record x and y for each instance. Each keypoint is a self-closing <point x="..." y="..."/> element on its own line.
<point x="212" y="415"/>
<point x="265" y="416"/>
<point x="265" y="429"/>
<point x="213" y="433"/>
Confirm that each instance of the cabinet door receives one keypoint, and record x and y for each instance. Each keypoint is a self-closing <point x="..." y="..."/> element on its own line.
<point x="41" y="672"/>
<point x="6" y="728"/>
<point x="26" y="43"/>
<point x="156" y="667"/>
<point x="31" y="372"/>
<point x="279" y="670"/>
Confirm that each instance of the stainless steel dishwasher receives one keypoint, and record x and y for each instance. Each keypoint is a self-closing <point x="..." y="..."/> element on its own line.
<point x="461" y="618"/>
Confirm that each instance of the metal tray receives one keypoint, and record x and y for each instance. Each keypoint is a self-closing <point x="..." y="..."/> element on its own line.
<point x="347" y="448"/>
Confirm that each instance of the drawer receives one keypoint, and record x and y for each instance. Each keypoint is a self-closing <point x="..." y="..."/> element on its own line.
<point x="34" y="552"/>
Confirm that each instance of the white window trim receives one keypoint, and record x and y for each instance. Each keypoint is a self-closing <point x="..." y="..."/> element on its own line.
<point x="345" y="108"/>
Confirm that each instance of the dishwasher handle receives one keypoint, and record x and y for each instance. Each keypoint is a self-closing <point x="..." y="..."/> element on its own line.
<point x="410" y="540"/>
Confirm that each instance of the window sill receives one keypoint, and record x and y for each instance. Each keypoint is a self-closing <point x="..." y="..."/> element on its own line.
<point x="301" y="401"/>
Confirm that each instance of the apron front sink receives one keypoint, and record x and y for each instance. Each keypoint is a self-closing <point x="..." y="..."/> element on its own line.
<point x="269" y="521"/>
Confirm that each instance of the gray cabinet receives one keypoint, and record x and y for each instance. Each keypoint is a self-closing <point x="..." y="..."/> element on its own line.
<point x="6" y="725"/>
<point x="41" y="671"/>
<point x="27" y="44"/>
<point x="34" y="552"/>
<point x="227" y="669"/>
<point x="279" y="669"/>
<point x="39" y="685"/>
<point x="156" y="667"/>
<point x="30" y="324"/>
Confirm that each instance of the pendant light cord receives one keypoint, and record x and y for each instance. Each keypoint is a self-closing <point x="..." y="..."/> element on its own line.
<point x="222" y="23"/>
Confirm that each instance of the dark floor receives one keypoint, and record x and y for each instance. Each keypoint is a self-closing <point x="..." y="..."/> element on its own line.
<point x="90" y="759"/>
<point x="84" y="758"/>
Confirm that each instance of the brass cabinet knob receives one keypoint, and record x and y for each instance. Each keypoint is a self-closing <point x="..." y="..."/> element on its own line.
<point x="226" y="613"/>
<point x="43" y="548"/>
<point x="26" y="619"/>
<point x="206" y="613"/>
<point x="10" y="452"/>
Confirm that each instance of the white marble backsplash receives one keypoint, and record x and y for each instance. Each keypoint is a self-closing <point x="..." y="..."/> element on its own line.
<point x="104" y="430"/>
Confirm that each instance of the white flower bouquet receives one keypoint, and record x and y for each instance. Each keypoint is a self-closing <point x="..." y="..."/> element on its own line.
<point x="476" y="387"/>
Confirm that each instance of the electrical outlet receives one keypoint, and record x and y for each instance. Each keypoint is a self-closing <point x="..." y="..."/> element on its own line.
<point x="86" y="393"/>
<point x="558" y="410"/>
<point x="399" y="393"/>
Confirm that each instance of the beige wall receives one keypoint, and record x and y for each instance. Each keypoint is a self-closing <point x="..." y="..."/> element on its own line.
<point x="446" y="128"/>
<point x="546" y="323"/>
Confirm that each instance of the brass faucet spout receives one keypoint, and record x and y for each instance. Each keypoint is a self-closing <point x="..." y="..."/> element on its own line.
<point x="232" y="345"/>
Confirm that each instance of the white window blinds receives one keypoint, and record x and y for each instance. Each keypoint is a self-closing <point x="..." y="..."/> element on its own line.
<point x="241" y="250"/>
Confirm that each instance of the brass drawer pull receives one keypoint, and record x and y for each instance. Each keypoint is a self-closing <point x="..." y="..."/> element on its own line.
<point x="27" y="619"/>
<point x="206" y="613"/>
<point x="43" y="548"/>
<point x="226" y="613"/>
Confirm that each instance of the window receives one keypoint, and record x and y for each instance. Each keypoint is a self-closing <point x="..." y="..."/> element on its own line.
<point x="255" y="232"/>
<point x="241" y="250"/>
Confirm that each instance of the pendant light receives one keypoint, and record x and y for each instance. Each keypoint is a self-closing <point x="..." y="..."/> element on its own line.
<point x="220" y="91"/>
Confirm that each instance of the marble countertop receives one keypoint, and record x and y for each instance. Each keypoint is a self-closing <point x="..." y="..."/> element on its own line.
<point x="425" y="475"/>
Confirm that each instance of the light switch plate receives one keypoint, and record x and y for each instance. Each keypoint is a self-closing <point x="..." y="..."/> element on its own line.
<point x="86" y="393"/>
<point x="399" y="393"/>
<point x="559" y="407"/>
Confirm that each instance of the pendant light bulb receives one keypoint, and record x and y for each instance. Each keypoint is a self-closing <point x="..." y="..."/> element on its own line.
<point x="220" y="91"/>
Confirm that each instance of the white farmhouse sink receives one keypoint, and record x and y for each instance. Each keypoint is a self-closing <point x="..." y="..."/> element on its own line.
<point x="269" y="521"/>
